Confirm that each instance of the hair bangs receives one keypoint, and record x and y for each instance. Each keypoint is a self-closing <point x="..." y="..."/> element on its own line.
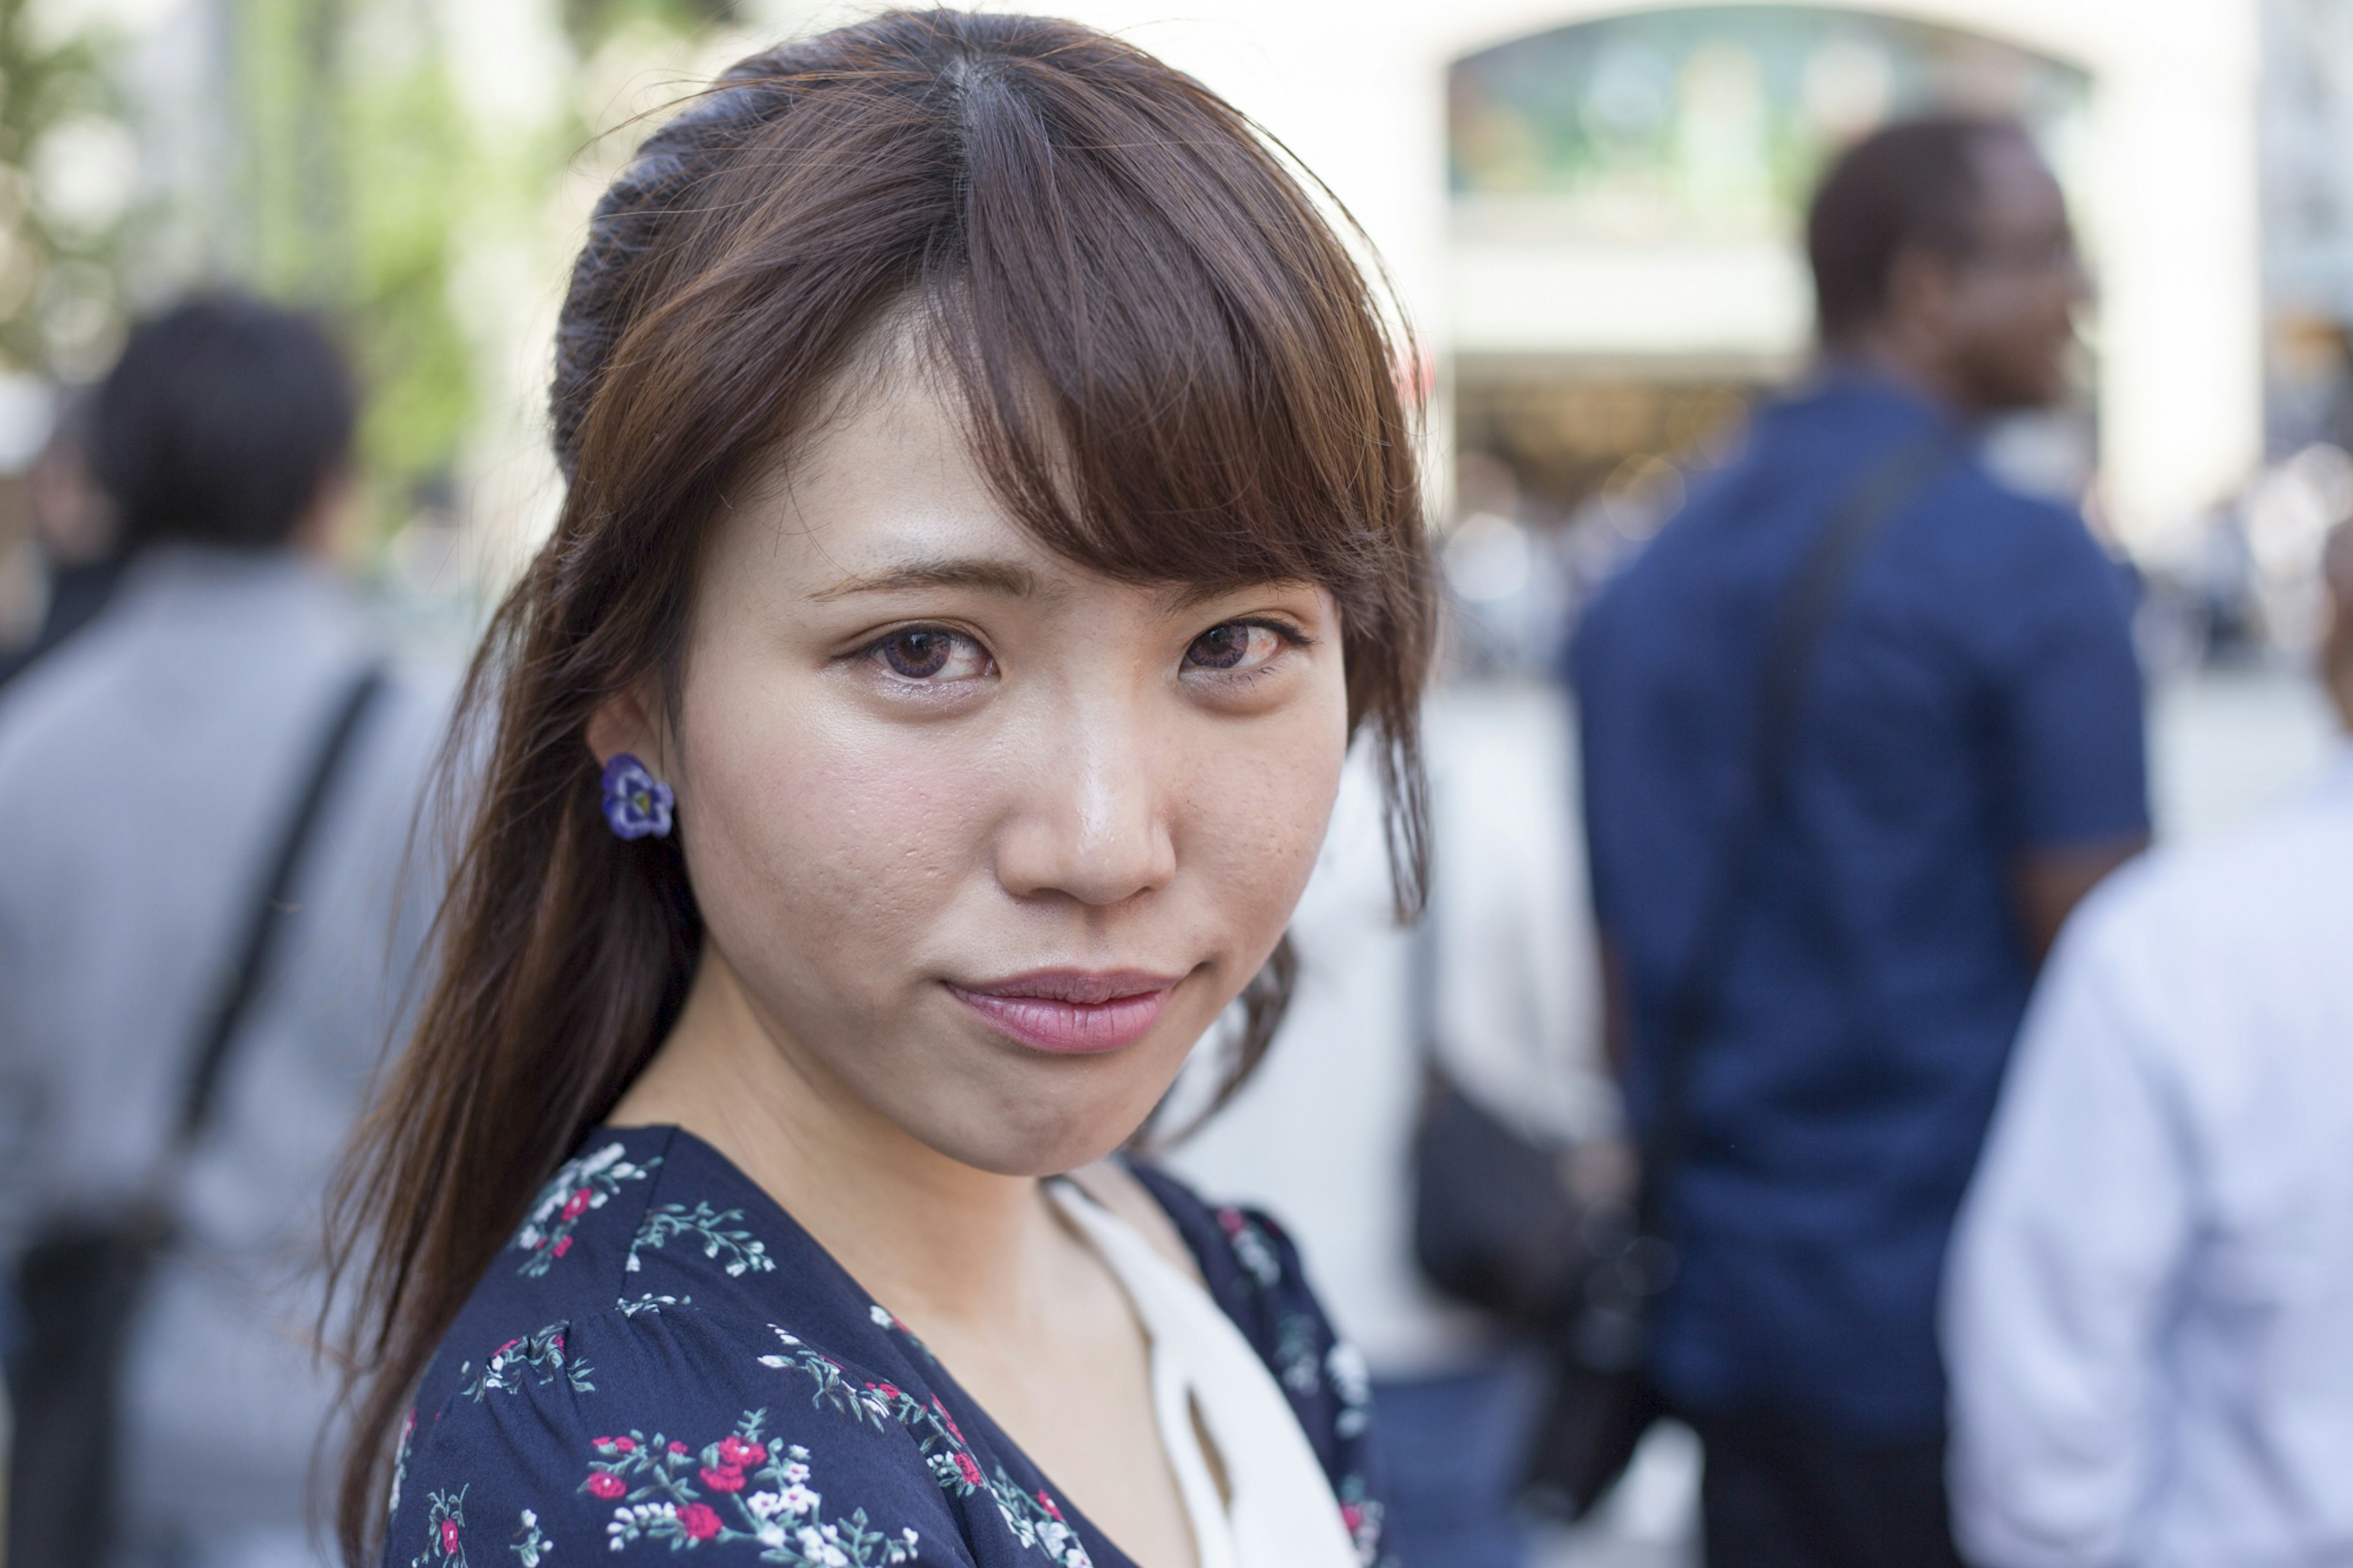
<point x="1175" y="373"/>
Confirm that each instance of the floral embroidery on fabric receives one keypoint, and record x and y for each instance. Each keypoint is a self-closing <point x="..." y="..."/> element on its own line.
<point x="869" y="1408"/>
<point x="1351" y="1380"/>
<point x="534" y="1543"/>
<point x="1252" y="1248"/>
<point x="513" y="1479"/>
<point x="1362" y="1515"/>
<point x="754" y="1491"/>
<point x="881" y="1319"/>
<point x="541" y="1352"/>
<point x="1295" y="1354"/>
<point x="445" y="1524"/>
<point x="587" y="1183"/>
<point x="1033" y="1520"/>
<point x="744" y="1251"/>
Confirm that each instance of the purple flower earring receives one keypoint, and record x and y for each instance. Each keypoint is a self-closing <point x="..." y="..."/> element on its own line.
<point x="637" y="803"/>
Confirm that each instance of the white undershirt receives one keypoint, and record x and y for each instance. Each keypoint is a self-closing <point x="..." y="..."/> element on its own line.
<point x="1282" y="1513"/>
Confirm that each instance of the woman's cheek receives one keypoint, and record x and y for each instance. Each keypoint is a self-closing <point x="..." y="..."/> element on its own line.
<point x="831" y="826"/>
<point x="1259" y="817"/>
<point x="866" y="834"/>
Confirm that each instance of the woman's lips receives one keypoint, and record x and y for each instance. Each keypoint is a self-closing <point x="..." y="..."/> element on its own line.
<point x="1070" y="1012"/>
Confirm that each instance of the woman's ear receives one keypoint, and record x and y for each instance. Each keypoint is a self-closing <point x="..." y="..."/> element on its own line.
<point x="622" y="723"/>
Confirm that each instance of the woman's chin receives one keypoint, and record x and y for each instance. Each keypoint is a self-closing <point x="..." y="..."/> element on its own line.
<point x="1031" y="1140"/>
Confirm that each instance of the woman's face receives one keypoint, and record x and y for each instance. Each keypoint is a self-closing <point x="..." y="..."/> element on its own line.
<point x="989" y="840"/>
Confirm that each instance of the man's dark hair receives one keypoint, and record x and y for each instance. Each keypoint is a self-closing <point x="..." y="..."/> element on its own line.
<point x="1912" y="185"/>
<point x="221" y="421"/>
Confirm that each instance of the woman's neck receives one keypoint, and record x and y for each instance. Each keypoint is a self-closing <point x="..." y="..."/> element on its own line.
<point x="929" y="1237"/>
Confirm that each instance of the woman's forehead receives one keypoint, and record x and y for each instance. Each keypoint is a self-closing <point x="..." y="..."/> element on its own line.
<point x="889" y="496"/>
<point x="819" y="559"/>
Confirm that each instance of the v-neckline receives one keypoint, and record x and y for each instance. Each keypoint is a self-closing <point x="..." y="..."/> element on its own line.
<point x="927" y="1366"/>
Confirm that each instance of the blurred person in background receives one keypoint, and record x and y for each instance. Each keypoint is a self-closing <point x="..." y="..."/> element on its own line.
<point x="2147" y="1305"/>
<point x="1322" y="1136"/>
<point x="1963" y="761"/>
<point x="74" y="526"/>
<point x="156" y="759"/>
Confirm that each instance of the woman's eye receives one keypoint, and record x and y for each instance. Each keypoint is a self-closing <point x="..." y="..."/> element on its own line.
<point x="931" y="654"/>
<point x="1238" y="646"/>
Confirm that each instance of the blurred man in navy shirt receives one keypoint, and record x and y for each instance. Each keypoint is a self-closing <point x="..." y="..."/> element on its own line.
<point x="1966" y="764"/>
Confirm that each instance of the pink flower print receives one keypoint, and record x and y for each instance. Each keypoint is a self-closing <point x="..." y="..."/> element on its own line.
<point x="970" y="1471"/>
<point x="677" y="1447"/>
<point x="618" y="1445"/>
<point x="448" y="1538"/>
<point x="1352" y="1516"/>
<point x="949" y="1419"/>
<point x="1048" y="1504"/>
<point x="699" y="1522"/>
<point x="884" y="1389"/>
<point x="577" y="1203"/>
<point x="734" y="1450"/>
<point x="725" y="1479"/>
<point x="606" y="1484"/>
<point x="1230" y="1221"/>
<point x="563" y="1244"/>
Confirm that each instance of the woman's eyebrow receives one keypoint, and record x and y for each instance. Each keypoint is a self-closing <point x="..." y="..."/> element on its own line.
<point x="939" y="572"/>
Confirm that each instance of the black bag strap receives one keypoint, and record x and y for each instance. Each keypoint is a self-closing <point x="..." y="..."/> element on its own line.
<point x="263" y="926"/>
<point x="1886" y="488"/>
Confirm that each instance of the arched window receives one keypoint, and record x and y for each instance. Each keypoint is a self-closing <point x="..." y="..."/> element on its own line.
<point x="1710" y="123"/>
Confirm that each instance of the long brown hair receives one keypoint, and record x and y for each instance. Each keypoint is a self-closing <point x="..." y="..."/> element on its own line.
<point x="1173" y="374"/>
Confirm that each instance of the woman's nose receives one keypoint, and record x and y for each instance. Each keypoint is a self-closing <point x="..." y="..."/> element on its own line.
<point x="1093" y="823"/>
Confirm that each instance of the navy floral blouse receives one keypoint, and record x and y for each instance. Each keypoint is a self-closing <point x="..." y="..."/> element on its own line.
<point x="662" y="1360"/>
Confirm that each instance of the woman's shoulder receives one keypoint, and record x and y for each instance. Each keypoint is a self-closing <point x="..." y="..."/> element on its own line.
<point x="636" y="1370"/>
<point x="632" y="1223"/>
<point x="1254" y="1273"/>
<point x="655" y="1426"/>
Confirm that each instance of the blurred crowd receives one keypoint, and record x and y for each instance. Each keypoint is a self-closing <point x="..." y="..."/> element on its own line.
<point x="1804" y="1044"/>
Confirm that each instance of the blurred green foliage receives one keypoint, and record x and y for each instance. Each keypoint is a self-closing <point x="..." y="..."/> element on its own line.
<point x="360" y="184"/>
<point x="59" y="282"/>
<point x="590" y="21"/>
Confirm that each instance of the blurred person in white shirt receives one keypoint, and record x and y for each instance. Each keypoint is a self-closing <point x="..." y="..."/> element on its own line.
<point x="1322" y="1135"/>
<point x="2149" y="1300"/>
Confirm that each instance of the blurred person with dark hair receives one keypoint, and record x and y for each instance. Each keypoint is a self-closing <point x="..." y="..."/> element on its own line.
<point x="1860" y="728"/>
<point x="74" y="526"/>
<point x="2146" y="1308"/>
<point x="160" y="758"/>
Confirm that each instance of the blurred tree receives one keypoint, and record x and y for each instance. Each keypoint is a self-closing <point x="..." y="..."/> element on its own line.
<point x="373" y="185"/>
<point x="357" y="171"/>
<point x="591" y="22"/>
<point x="68" y="178"/>
<point x="393" y="163"/>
